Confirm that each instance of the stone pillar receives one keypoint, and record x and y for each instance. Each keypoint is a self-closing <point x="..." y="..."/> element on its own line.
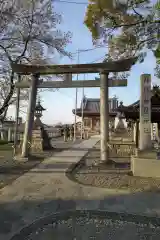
<point x="152" y="132"/>
<point x="104" y="116"/>
<point x="9" y="135"/>
<point x="145" y="112"/>
<point x="137" y="134"/>
<point x="156" y="130"/>
<point x="71" y="134"/>
<point x="134" y="132"/>
<point x="65" y="135"/>
<point x="2" y="134"/>
<point x="91" y="126"/>
<point x="30" y="117"/>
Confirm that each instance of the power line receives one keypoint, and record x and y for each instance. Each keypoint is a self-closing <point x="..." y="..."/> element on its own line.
<point x="71" y="2"/>
<point x="82" y="51"/>
<point x="65" y="95"/>
<point x="98" y="59"/>
<point x="88" y="49"/>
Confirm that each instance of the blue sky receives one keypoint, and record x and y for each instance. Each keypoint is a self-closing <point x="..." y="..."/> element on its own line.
<point x="59" y="104"/>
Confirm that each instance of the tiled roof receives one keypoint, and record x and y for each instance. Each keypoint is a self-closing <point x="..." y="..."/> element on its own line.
<point x="155" y="101"/>
<point x="92" y="105"/>
<point x="135" y="104"/>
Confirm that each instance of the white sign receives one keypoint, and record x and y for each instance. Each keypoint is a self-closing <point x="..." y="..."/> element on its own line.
<point x="145" y="112"/>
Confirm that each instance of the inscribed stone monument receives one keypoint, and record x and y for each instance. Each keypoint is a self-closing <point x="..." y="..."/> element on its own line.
<point x="145" y="112"/>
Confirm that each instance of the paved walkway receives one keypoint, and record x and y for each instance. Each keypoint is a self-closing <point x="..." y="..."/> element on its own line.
<point x="46" y="189"/>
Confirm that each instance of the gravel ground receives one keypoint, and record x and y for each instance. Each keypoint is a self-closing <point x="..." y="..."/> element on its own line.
<point x="95" y="229"/>
<point x="118" y="181"/>
<point x="115" y="176"/>
<point x="83" y="226"/>
<point x="11" y="169"/>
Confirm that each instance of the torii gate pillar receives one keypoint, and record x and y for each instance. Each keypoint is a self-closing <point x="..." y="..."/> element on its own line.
<point x="104" y="117"/>
<point x="27" y="138"/>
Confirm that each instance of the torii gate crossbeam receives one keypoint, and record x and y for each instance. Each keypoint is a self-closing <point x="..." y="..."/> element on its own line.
<point x="73" y="84"/>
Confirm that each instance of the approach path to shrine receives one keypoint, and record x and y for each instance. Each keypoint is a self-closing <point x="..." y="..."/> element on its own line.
<point x="46" y="190"/>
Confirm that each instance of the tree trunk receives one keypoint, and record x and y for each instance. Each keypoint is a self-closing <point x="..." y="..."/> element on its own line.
<point x="8" y="98"/>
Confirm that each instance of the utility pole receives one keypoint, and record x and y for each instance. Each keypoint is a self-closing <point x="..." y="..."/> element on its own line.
<point x="104" y="116"/>
<point x="75" y="116"/>
<point x="30" y="116"/>
<point x="82" y="122"/>
<point x="17" y="117"/>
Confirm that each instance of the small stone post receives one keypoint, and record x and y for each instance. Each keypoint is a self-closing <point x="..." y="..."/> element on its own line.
<point x="104" y="116"/>
<point x="145" y="112"/>
<point x="65" y="135"/>
<point x="87" y="134"/>
<point x="30" y="117"/>
<point x="2" y="134"/>
<point x="9" y="135"/>
<point x="156" y="131"/>
<point x="134" y="132"/>
<point x="152" y="132"/>
<point x="137" y="134"/>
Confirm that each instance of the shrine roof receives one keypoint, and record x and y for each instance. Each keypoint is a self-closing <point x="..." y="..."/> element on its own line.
<point x="91" y="106"/>
<point x="132" y="111"/>
<point x="155" y="102"/>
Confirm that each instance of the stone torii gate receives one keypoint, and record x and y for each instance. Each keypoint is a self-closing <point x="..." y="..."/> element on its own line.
<point x="104" y="82"/>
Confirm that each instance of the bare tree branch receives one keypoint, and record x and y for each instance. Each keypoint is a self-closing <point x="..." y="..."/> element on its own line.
<point x="28" y="31"/>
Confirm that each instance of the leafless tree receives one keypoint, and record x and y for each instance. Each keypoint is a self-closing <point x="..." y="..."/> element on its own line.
<point x="28" y="33"/>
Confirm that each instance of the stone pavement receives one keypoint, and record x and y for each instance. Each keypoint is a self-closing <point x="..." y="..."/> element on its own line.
<point x="46" y="189"/>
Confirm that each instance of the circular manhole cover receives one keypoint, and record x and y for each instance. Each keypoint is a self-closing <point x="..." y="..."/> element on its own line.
<point x="83" y="225"/>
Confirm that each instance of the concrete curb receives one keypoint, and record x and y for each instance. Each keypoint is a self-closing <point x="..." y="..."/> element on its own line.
<point x="74" y="167"/>
<point x="70" y="174"/>
<point x="80" y="163"/>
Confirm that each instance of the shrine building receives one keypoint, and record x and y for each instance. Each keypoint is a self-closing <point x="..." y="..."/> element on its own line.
<point x="91" y="112"/>
<point x="132" y="113"/>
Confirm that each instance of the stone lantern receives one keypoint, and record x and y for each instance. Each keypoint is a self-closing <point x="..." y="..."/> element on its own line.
<point x="40" y="138"/>
<point x="120" y="115"/>
<point x="38" y="129"/>
<point x="39" y="110"/>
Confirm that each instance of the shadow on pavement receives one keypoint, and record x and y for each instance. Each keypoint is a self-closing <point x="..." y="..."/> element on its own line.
<point x="15" y="215"/>
<point x="11" y="169"/>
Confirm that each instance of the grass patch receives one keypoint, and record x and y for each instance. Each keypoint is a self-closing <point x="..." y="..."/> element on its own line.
<point x="6" y="146"/>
